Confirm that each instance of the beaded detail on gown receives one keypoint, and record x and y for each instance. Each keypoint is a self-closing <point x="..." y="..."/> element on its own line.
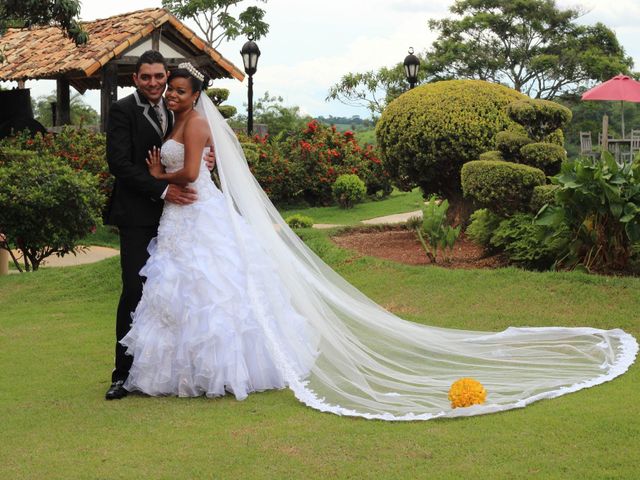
<point x="196" y="330"/>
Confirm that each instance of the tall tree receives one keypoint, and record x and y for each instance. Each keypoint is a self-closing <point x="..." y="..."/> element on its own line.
<point x="531" y="45"/>
<point x="215" y="20"/>
<point x="28" y="13"/>
<point x="373" y="89"/>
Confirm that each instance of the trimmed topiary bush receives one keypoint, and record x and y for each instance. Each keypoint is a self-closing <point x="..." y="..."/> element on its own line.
<point x="546" y="156"/>
<point x="541" y="196"/>
<point x="429" y="132"/>
<point x="556" y="137"/>
<point x="299" y="221"/>
<point x="492" y="155"/>
<point x="509" y="143"/>
<point x="540" y="118"/>
<point x="348" y="190"/>
<point x="503" y="187"/>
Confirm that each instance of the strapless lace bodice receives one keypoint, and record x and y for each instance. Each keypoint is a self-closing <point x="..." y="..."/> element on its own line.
<point x="173" y="160"/>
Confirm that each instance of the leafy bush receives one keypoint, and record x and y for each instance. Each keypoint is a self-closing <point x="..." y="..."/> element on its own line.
<point x="540" y="118"/>
<point x="279" y="177"/>
<point x="439" y="235"/>
<point x="509" y="144"/>
<point x="81" y="149"/>
<point x="299" y="221"/>
<point x="348" y="190"/>
<point x="556" y="138"/>
<point x="545" y="156"/>
<point x="492" y="155"/>
<point x="10" y="154"/>
<point x="542" y="195"/>
<point x="528" y="244"/>
<point x="46" y="207"/>
<point x="599" y="201"/>
<point x="502" y="187"/>
<point x="322" y="154"/>
<point x="429" y="132"/>
<point x="482" y="226"/>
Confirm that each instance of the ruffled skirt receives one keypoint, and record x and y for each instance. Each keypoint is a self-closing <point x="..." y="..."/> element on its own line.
<point x="214" y="316"/>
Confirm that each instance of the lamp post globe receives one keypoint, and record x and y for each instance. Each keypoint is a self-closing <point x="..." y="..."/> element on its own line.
<point x="411" y="67"/>
<point x="250" y="54"/>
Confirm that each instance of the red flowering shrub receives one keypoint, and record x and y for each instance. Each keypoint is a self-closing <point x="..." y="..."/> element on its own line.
<point x="278" y="177"/>
<point x="322" y="154"/>
<point x="81" y="149"/>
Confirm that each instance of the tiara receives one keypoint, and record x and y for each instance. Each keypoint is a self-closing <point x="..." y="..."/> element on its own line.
<point x="192" y="70"/>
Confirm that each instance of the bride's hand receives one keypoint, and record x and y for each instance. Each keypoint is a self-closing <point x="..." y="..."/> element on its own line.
<point x="153" y="162"/>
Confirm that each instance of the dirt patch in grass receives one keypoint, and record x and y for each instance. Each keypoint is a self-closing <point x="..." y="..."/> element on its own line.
<point x="402" y="245"/>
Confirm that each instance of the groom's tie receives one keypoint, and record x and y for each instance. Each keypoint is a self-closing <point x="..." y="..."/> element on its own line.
<point x="161" y="118"/>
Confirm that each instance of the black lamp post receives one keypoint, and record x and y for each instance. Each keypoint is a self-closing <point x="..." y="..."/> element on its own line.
<point x="250" y="54"/>
<point x="411" y="66"/>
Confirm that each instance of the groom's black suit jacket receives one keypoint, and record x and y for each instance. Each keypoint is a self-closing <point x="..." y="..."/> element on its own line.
<point x="133" y="129"/>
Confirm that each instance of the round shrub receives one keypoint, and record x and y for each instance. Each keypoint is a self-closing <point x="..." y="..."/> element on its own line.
<point x="348" y="190"/>
<point x="429" y="132"/>
<point x="546" y="156"/>
<point x="556" y="137"/>
<point x="46" y="207"/>
<point x="503" y="187"/>
<point x="541" y="196"/>
<point x="509" y="143"/>
<point x="299" y="221"/>
<point x="491" y="155"/>
<point x="539" y="117"/>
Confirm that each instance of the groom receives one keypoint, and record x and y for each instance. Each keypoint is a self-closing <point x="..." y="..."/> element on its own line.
<point x="138" y="123"/>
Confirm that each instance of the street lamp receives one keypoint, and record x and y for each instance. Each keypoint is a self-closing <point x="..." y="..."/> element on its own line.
<point x="411" y="66"/>
<point x="250" y="54"/>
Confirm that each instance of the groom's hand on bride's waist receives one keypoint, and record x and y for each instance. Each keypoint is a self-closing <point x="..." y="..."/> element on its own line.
<point x="180" y="195"/>
<point x="210" y="158"/>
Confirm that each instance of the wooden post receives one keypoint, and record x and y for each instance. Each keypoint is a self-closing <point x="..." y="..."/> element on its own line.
<point x="605" y="133"/>
<point x="155" y="39"/>
<point x="63" y="113"/>
<point x="4" y="261"/>
<point x="108" y="92"/>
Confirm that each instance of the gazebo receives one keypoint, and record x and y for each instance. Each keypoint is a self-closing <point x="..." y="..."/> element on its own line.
<point x="108" y="60"/>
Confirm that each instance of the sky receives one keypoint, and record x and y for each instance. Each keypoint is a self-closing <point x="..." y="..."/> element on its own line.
<point x="312" y="44"/>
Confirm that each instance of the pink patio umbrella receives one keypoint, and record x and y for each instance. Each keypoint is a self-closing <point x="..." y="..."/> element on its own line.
<point x="621" y="87"/>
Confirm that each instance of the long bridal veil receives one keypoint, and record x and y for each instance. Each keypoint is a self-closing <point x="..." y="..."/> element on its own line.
<point x="362" y="360"/>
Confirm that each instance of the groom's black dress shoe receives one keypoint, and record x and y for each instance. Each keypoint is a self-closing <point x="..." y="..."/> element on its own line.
<point x="116" y="391"/>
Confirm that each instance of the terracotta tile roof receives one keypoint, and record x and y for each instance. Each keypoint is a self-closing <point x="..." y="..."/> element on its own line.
<point x="45" y="52"/>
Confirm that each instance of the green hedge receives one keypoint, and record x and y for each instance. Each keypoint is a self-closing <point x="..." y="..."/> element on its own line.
<point x="492" y="155"/>
<point x="542" y="195"/>
<point x="540" y="118"/>
<point x="546" y="156"/>
<point x="509" y="144"/>
<point x="429" y="132"/>
<point x="503" y="187"/>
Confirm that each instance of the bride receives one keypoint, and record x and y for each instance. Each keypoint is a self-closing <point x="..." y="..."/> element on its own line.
<point x="235" y="302"/>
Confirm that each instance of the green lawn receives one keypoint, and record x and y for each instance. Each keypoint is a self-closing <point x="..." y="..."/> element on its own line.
<point x="56" y="339"/>
<point x="397" y="202"/>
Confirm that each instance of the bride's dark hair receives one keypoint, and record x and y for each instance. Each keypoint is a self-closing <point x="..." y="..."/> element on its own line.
<point x="196" y="84"/>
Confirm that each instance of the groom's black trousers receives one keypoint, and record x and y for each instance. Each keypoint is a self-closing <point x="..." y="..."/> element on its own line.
<point x="133" y="255"/>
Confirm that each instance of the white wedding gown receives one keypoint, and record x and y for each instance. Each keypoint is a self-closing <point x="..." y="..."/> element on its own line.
<point x="235" y="301"/>
<point x="195" y="331"/>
